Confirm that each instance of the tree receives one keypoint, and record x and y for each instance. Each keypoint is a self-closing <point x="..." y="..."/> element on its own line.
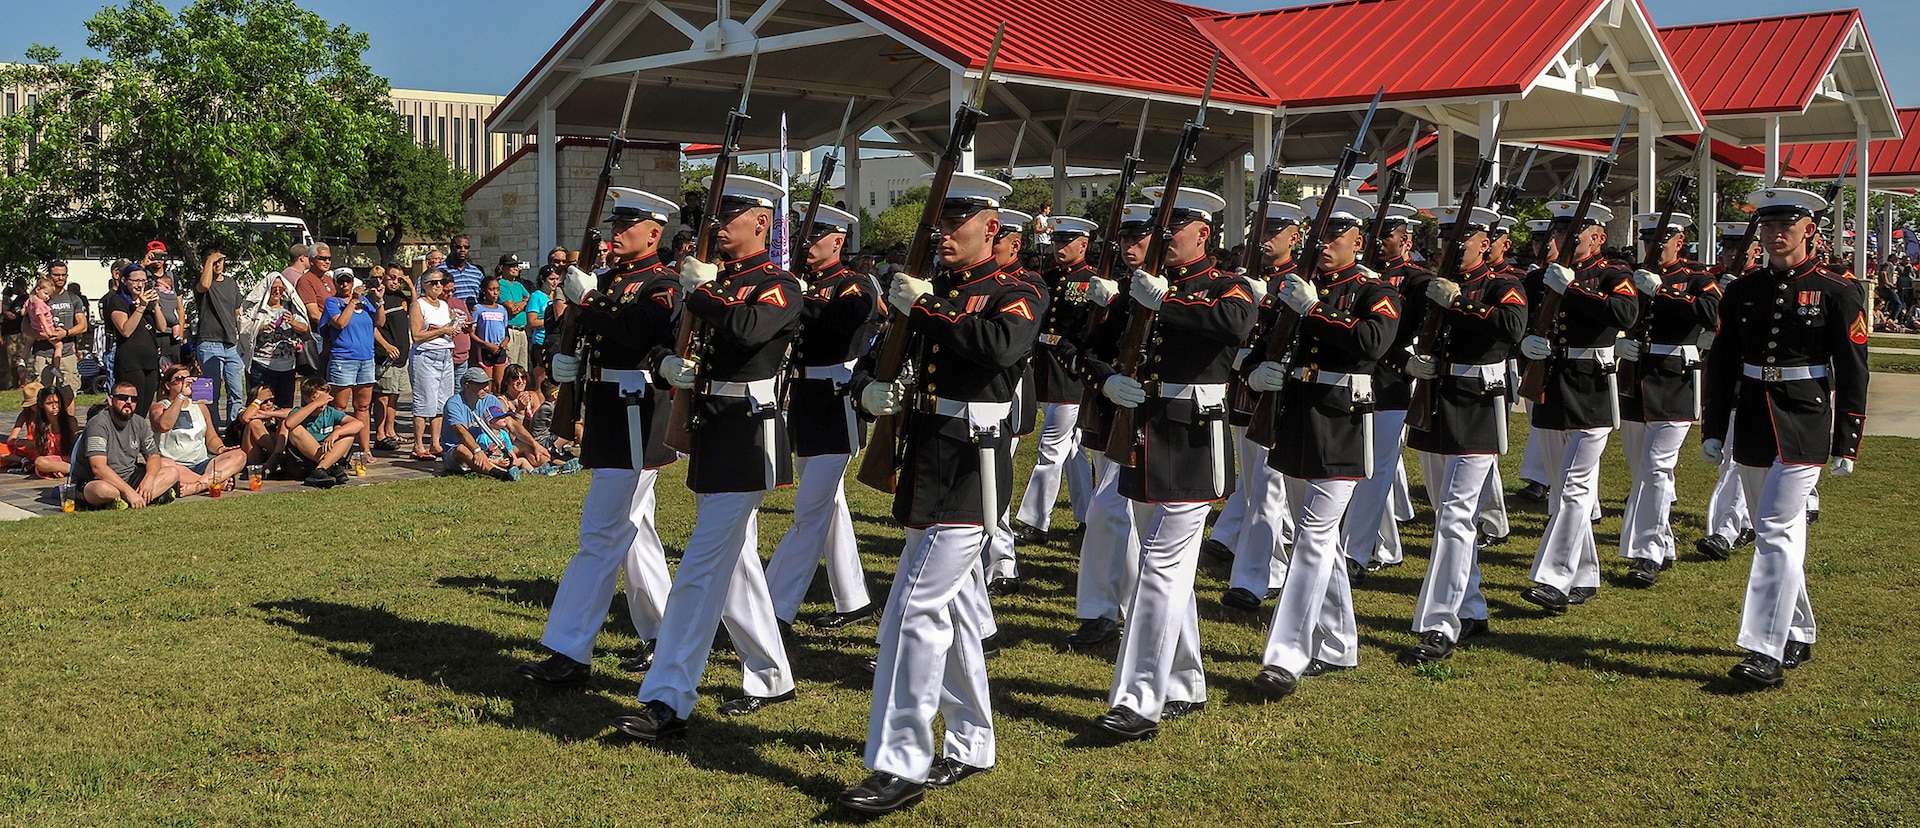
<point x="230" y="107"/>
<point x="897" y="224"/>
<point x="410" y="190"/>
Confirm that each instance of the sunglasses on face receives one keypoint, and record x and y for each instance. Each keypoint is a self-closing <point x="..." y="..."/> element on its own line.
<point x="125" y="397"/>
<point x="462" y="247"/>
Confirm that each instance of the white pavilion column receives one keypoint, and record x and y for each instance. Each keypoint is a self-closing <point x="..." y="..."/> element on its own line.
<point x="957" y="89"/>
<point x="1861" y="194"/>
<point x="1489" y="128"/>
<point x="1773" y="151"/>
<point x="1233" y="188"/>
<point x="1445" y="159"/>
<point x="547" y="177"/>
<point x="1647" y="142"/>
<point x="855" y="198"/>
<point x="1709" y="209"/>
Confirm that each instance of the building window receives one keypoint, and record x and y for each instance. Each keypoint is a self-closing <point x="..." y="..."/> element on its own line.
<point x="13" y="103"/>
<point x="413" y="129"/>
<point x="873" y="200"/>
<point x="442" y="143"/>
<point x="458" y="145"/>
<point x="473" y="142"/>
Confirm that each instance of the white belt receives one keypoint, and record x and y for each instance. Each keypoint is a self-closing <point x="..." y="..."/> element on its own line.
<point x="760" y="390"/>
<point x="841" y="374"/>
<point x="1208" y="393"/>
<point x="629" y="379"/>
<point x="1595" y="354"/>
<point x="1329" y="377"/>
<point x="1769" y="373"/>
<point x="1490" y="372"/>
<point x="980" y="415"/>
<point x="1690" y="352"/>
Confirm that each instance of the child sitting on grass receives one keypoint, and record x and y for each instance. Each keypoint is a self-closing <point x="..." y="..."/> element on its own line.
<point x="320" y="436"/>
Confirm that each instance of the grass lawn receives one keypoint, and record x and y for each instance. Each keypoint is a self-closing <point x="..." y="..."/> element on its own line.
<point x="346" y="658"/>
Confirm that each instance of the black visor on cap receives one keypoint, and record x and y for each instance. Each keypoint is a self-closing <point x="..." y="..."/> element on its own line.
<point x="1183" y="215"/>
<point x="627" y="215"/>
<point x="1066" y="236"/>
<point x="1134" y="229"/>
<point x="1340" y="224"/>
<point x="1561" y="222"/>
<point x="735" y="205"/>
<point x="820" y="229"/>
<point x="1783" y="212"/>
<point x="961" y="208"/>
<point x="1661" y="234"/>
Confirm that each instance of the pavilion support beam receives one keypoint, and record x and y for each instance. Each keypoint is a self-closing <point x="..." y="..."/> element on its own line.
<point x="1060" y="181"/>
<point x="1886" y="230"/>
<point x="855" y="200"/>
<point x="1647" y="146"/>
<point x="1772" y="140"/>
<point x="1489" y="131"/>
<point x="547" y="178"/>
<point x="1233" y="228"/>
<point x="1860" y="193"/>
<point x="1445" y="159"/>
<point x="1709" y="210"/>
<point x="957" y="89"/>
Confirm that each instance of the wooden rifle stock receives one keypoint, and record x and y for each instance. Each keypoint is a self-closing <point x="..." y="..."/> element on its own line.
<point x="1533" y="382"/>
<point x="566" y="401"/>
<point x="1422" y="403"/>
<point x="1642" y="330"/>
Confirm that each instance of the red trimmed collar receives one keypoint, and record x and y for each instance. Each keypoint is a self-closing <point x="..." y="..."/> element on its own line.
<point x="636" y="265"/>
<point x="961" y="277"/>
<point x="746" y="263"/>
<point x="1334" y="277"/>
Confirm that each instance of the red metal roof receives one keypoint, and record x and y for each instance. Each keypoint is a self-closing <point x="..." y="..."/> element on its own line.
<point x="1340" y="53"/>
<point x="1144" y="45"/>
<point x="1745" y="160"/>
<point x="1766" y="65"/>
<point x="1884" y="158"/>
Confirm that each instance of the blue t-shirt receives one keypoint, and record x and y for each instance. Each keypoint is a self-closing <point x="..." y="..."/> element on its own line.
<point x="490" y="323"/>
<point x="459" y="413"/>
<point x="356" y="340"/>
<point x="514" y="290"/>
<point x="537" y="306"/>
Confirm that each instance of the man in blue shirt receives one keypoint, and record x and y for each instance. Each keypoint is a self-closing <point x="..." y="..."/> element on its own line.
<point x="466" y="275"/>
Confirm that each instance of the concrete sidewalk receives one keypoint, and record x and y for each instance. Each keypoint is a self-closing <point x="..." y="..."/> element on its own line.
<point x="1893" y="405"/>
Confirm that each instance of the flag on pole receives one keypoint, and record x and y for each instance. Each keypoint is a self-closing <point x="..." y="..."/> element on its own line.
<point x="779" y="242"/>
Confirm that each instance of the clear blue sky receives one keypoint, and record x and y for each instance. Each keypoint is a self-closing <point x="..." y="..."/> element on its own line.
<point x="498" y="41"/>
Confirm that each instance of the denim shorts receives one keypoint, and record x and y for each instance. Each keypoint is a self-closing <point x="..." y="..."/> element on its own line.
<point x="345" y="372"/>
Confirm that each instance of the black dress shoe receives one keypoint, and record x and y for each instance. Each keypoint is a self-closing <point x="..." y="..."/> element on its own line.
<point x="1002" y="587"/>
<point x="836" y="620"/>
<point x="1536" y="492"/>
<point x="1581" y="595"/>
<point x="1546" y="597"/>
<point x="871" y="665"/>
<point x="1127" y="724"/>
<point x="1714" y="547"/>
<point x="641" y="660"/>
<point x="1813" y="515"/>
<point x="1434" y="645"/>
<point x="1180" y="709"/>
<point x="1276" y="681"/>
<point x="1026" y="536"/>
<point x="654" y="722"/>
<point x="749" y="704"/>
<point x="947" y="771"/>
<point x="1355" y="572"/>
<point x="1317" y="668"/>
<point x="1078" y="531"/>
<point x="1797" y="653"/>
<point x="1666" y="564"/>
<point x="1094" y="632"/>
<point x="990" y="646"/>
<point x="557" y="672"/>
<point x="1240" y="599"/>
<point x="882" y="793"/>
<point x="1746" y="537"/>
<point x="1482" y="540"/>
<point x="1642" y="572"/>
<point x="1758" y="669"/>
<point x="1216" y="550"/>
<point x="1470" y="627"/>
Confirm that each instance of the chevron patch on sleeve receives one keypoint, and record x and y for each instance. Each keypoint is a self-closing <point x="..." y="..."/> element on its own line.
<point x="1020" y="308"/>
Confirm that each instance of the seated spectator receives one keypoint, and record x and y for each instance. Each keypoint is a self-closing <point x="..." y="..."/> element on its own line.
<point x="521" y="401"/>
<point x="320" y="436"/>
<point x="47" y="434"/>
<point x="258" y="429"/>
<point x="122" y="466"/>
<point x="184" y="427"/>
<point x="540" y="425"/>
<point x="481" y="434"/>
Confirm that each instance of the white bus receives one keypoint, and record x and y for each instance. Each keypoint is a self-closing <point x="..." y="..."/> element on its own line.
<point x="87" y="265"/>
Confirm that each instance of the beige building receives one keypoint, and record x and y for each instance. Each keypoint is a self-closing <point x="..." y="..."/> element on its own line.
<point x="456" y="122"/>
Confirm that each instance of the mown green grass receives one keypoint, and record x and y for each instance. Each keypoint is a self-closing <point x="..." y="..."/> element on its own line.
<point x="346" y="658"/>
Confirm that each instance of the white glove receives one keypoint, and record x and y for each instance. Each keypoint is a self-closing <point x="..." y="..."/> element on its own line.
<point x="1149" y="290"/>
<point x="906" y="291"/>
<point x="1101" y="291"/>
<point x="1256" y="286"/>
<point x="1443" y="292"/>
<point x="1125" y="391"/>
<point x="881" y="398"/>
<point x="566" y="368"/>
<point x="1267" y="376"/>
<point x="803" y="285"/>
<point x="694" y="273"/>
<point x="1840" y="466"/>
<point x="577" y="285"/>
<point x="1627" y="349"/>
<point x="1645" y="282"/>
<point x="1706" y="340"/>
<point x="1423" y="367"/>
<point x="1558" y="277"/>
<point x="679" y="372"/>
<point x="1713" y="451"/>
<point x="1535" y="347"/>
<point x="1299" y="295"/>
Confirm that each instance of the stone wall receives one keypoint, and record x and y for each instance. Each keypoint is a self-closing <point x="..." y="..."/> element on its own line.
<point x="503" y="210"/>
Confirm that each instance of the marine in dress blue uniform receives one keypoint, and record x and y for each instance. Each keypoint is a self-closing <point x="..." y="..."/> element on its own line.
<point x="1371" y="534"/>
<point x="1057" y="387"/>
<point x="1003" y="569"/>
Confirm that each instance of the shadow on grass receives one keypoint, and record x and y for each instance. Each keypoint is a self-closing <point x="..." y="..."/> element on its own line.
<point x="731" y="745"/>
<point x="1599" y="654"/>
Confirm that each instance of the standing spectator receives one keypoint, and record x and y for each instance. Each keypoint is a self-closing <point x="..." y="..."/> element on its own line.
<point x="182" y="425"/>
<point x="351" y="318"/>
<point x="217" y="334"/>
<point x="683" y="243"/>
<point x="514" y="295"/>
<point x="393" y="341"/>
<point x="121" y="464"/>
<point x="316" y="284"/>
<point x="490" y="329"/>
<point x="135" y="322"/>
<point x="170" y="337"/>
<point x="320" y="434"/>
<point x="430" y="365"/>
<point x="691" y="214"/>
<point x="1043" y="231"/>
<point x="276" y="324"/>
<point x="60" y="351"/>
<point x="545" y="301"/>
<point x="13" y="329"/>
<point x="466" y="275"/>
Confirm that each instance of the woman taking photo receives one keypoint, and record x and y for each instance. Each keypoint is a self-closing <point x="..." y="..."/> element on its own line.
<point x="430" y="366"/>
<point x="278" y="324"/>
<point x="135" y="321"/>
<point x="183" y="426"/>
<point x="351" y="318"/>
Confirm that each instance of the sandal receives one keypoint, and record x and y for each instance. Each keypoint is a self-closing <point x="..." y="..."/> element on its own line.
<point x="421" y="455"/>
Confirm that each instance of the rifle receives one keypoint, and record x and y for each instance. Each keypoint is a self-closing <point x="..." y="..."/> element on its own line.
<point x="692" y="335"/>
<point x="566" y="401"/>
<point x="1284" y="338"/>
<point x="820" y="184"/>
<point x="1111" y="254"/>
<point x="1642" y="330"/>
<point x="1505" y="194"/>
<point x="1124" y="437"/>
<point x="1834" y="189"/>
<point x="1391" y="190"/>
<point x="1423" y="404"/>
<point x="880" y="466"/>
<point x="1533" y="385"/>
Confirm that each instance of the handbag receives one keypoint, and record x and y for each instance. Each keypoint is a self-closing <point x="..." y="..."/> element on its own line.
<point x="308" y="357"/>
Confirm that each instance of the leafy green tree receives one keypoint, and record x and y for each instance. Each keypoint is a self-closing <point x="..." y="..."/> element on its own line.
<point x="410" y="190"/>
<point x="896" y="224"/>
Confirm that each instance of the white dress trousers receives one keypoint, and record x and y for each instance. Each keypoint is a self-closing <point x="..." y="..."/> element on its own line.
<point x="1653" y="451"/>
<point x="1777" y="609"/>
<point x="1260" y="551"/>
<point x="719" y="581"/>
<point x="617" y="534"/>
<point x="1001" y="561"/>
<point x="822" y="528"/>
<point x="1248" y="458"/>
<point x="1451" y="590"/>
<point x="1493" y="505"/>
<point x="1314" y="617"/>
<point x="1533" y="462"/>
<point x="1160" y="650"/>
<point x="1567" y="557"/>
<point x="1370" y="531"/>
<point x="930" y="660"/>
<point x="1060" y="455"/>
<point x="1109" y="561"/>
